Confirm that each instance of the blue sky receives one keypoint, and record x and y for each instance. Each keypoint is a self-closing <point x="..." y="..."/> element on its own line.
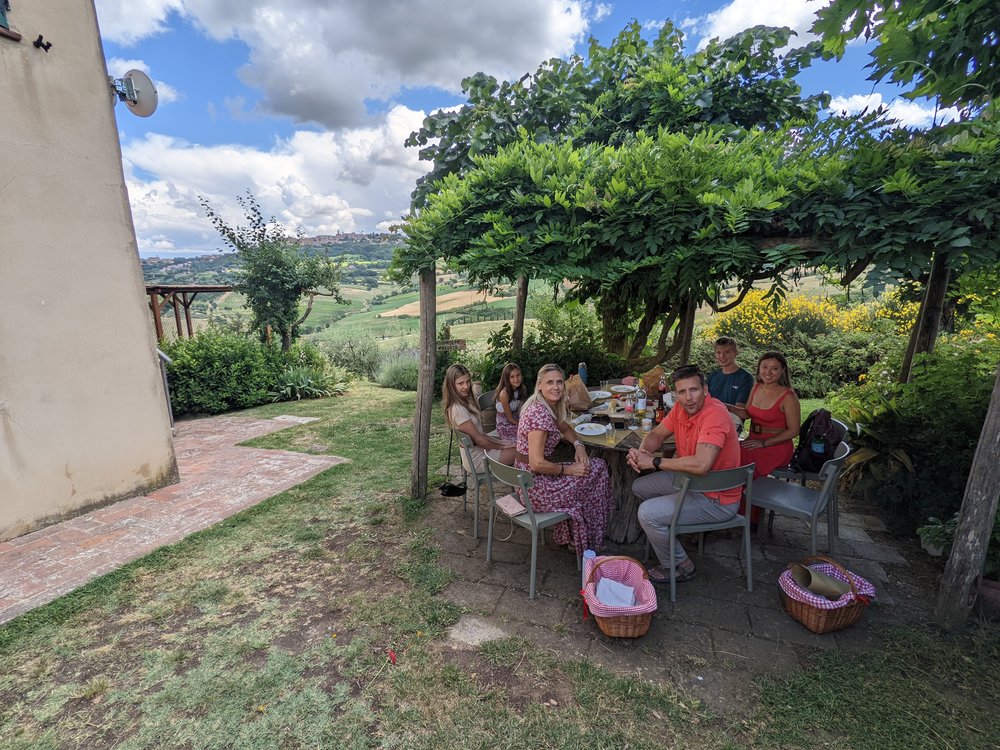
<point x="308" y="102"/>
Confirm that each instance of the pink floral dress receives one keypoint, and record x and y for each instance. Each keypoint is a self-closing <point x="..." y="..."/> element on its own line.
<point x="587" y="499"/>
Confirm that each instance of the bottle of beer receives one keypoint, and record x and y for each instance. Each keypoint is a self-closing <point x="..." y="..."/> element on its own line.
<point x="662" y="386"/>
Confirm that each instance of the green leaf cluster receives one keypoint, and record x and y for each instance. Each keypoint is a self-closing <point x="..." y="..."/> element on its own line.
<point x="948" y="49"/>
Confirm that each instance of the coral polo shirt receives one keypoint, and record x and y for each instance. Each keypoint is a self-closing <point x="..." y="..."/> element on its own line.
<point x="711" y="425"/>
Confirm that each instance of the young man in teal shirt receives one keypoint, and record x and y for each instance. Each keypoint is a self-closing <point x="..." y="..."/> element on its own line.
<point x="730" y="384"/>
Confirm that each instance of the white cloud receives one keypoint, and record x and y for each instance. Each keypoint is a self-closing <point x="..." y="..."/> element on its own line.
<point x="738" y="15"/>
<point x="601" y="11"/>
<point x="321" y="60"/>
<point x="128" y="21"/>
<point x="908" y="113"/>
<point x="319" y="182"/>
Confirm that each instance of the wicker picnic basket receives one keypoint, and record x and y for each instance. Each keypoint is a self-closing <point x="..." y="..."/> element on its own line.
<point x="620" y="622"/>
<point x="817" y="613"/>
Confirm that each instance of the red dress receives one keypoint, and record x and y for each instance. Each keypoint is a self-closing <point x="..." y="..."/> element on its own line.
<point x="775" y="455"/>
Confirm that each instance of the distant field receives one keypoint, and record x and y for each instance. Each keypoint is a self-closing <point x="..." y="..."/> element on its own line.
<point x="444" y="302"/>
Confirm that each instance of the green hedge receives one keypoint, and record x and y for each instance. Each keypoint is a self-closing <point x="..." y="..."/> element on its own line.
<point x="917" y="440"/>
<point x="217" y="371"/>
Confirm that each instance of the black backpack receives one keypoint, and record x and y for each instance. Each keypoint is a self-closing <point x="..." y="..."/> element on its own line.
<point x="818" y="441"/>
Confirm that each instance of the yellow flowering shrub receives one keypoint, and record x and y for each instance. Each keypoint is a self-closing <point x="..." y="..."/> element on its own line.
<point x="762" y="321"/>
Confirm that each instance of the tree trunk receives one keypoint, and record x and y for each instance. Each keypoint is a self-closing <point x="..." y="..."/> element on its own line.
<point x="928" y="323"/>
<point x="904" y="367"/>
<point x="687" y="330"/>
<point x="614" y="324"/>
<point x="425" y="385"/>
<point x="975" y="523"/>
<point x="934" y="300"/>
<point x="517" y="334"/>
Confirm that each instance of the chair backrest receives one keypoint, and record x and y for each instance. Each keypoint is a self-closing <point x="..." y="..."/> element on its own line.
<point x="488" y="410"/>
<point x="517" y="478"/>
<point x="465" y="445"/>
<point x="832" y="467"/>
<point x="716" y="481"/>
<point x="847" y="430"/>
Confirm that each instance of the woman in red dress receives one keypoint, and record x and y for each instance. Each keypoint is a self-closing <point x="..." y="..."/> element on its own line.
<point x="775" y="417"/>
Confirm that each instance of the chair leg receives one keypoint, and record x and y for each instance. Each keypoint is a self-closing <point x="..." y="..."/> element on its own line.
<point x="489" y="534"/>
<point x="770" y="522"/>
<point x="534" y="561"/>
<point x="829" y="530"/>
<point x="812" y="538"/>
<point x="833" y="513"/>
<point x="746" y="552"/>
<point x="672" y="565"/>
<point x="465" y="481"/>
<point x="475" y="513"/>
<point x="701" y="543"/>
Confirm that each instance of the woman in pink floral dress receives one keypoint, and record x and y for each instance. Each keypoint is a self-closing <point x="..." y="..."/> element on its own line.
<point x="580" y="488"/>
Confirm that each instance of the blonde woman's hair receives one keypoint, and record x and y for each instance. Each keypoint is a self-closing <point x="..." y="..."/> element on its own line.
<point x="561" y="412"/>
<point x="450" y="395"/>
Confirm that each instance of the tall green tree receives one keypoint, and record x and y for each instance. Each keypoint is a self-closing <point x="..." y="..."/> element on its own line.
<point x="945" y="49"/>
<point x="621" y="94"/>
<point x="275" y="272"/>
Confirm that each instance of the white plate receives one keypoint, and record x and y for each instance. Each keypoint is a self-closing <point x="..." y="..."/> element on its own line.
<point x="590" y="429"/>
<point x="623" y="389"/>
<point x="600" y="394"/>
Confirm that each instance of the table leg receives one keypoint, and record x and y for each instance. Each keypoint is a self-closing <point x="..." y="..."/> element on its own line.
<point x="623" y="526"/>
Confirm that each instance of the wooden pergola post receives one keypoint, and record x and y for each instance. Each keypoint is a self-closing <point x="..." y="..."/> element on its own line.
<point x="177" y="315"/>
<point x="154" y="306"/>
<point x="177" y="295"/>
<point x="425" y="384"/>
<point x="186" y="302"/>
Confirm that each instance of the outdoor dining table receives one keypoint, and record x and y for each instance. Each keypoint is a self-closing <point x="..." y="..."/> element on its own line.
<point x="623" y="526"/>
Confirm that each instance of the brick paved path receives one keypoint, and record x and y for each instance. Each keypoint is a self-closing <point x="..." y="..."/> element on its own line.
<point x="218" y="479"/>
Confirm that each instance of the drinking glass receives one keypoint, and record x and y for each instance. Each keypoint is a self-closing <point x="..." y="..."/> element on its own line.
<point x="609" y="435"/>
<point x="633" y="423"/>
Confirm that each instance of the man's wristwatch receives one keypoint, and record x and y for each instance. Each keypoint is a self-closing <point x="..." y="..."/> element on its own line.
<point x="656" y="463"/>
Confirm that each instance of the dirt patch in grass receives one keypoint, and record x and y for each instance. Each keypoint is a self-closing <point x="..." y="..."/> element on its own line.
<point x="519" y="685"/>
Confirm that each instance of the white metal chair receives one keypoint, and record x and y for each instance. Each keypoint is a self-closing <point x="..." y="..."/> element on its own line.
<point x="802" y="502"/>
<point x="714" y="481"/>
<point x="479" y="478"/>
<point x="787" y="472"/>
<point x="535" y="523"/>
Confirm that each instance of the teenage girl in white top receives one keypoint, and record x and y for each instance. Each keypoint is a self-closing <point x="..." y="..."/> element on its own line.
<point x="461" y="411"/>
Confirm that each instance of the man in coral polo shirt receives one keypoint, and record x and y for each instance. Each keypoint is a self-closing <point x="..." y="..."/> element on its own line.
<point x="706" y="441"/>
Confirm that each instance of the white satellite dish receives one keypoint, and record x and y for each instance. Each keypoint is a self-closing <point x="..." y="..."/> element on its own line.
<point x="136" y="89"/>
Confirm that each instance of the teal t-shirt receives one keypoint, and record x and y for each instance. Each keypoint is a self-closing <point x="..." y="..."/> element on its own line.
<point x="733" y="388"/>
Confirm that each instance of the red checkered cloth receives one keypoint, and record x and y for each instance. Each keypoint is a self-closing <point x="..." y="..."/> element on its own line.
<point x="627" y="571"/>
<point x="866" y="592"/>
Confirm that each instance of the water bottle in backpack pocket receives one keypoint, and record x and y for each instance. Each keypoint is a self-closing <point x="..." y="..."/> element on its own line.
<point x="818" y="441"/>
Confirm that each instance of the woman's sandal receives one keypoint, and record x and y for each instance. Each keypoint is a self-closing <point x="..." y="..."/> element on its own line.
<point x="658" y="576"/>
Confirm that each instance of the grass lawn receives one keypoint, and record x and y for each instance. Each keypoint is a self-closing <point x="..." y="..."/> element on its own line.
<point x="274" y="629"/>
